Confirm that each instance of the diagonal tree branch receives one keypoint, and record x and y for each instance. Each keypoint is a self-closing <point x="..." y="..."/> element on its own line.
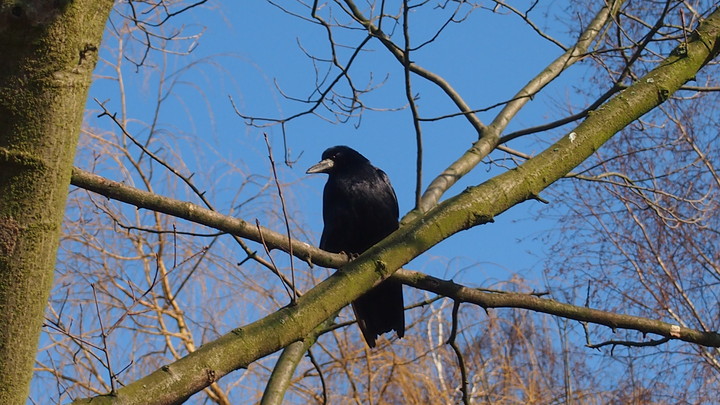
<point x="285" y="366"/>
<point x="200" y="215"/>
<point x="490" y="137"/>
<point x="418" y="280"/>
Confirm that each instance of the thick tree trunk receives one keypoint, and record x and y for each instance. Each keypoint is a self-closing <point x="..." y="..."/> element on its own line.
<point x="48" y="51"/>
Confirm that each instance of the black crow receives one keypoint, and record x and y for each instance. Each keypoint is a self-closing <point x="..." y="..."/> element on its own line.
<point x="360" y="209"/>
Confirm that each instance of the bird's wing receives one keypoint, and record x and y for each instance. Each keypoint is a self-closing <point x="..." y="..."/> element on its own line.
<point x="389" y="198"/>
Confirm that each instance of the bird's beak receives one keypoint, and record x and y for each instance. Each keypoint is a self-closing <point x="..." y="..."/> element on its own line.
<point x="322" y="166"/>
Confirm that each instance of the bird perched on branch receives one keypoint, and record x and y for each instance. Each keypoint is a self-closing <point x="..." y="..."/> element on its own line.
<point x="360" y="209"/>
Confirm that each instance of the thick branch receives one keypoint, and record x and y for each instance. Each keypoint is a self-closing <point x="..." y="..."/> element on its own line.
<point x="517" y="300"/>
<point x="195" y="213"/>
<point x="49" y="52"/>
<point x="284" y="369"/>
<point x="148" y="200"/>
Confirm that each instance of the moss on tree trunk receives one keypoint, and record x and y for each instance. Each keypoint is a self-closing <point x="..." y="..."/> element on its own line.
<point x="48" y="52"/>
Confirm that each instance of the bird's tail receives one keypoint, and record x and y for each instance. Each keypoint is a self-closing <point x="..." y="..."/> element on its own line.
<point x="381" y="310"/>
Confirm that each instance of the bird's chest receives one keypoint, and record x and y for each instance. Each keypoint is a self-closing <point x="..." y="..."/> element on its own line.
<point x="349" y="200"/>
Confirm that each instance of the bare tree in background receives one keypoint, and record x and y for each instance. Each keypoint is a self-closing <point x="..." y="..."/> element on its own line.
<point x="642" y="221"/>
<point x="645" y="228"/>
<point x="144" y="298"/>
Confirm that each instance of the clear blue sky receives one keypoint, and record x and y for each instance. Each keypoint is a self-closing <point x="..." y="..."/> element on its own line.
<point x="246" y="48"/>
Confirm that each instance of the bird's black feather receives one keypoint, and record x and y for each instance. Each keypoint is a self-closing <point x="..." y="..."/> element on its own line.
<point x="360" y="209"/>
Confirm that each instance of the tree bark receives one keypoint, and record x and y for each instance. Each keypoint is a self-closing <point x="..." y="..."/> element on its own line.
<point x="49" y="51"/>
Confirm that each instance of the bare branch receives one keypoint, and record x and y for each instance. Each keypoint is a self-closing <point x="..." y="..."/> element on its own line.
<point x="461" y="362"/>
<point x="490" y="136"/>
<point x="197" y="214"/>
<point x="583" y="314"/>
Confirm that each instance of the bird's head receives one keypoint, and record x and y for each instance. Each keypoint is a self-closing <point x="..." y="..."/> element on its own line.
<point x="337" y="159"/>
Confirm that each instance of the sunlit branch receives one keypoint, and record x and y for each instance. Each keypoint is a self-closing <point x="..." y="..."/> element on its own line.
<point x="286" y="364"/>
<point x="197" y="214"/>
<point x="490" y="137"/>
<point x="612" y="320"/>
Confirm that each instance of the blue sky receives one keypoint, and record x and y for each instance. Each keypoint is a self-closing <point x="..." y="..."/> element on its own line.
<point x="245" y="49"/>
<point x="240" y="50"/>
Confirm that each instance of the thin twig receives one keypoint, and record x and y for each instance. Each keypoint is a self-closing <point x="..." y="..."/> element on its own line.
<point x="285" y="217"/>
<point x="317" y="366"/>
<point x="274" y="268"/>
<point x="461" y="362"/>
<point x="413" y="106"/>
<point x="103" y="336"/>
<point x="628" y="343"/>
<point x="186" y="179"/>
